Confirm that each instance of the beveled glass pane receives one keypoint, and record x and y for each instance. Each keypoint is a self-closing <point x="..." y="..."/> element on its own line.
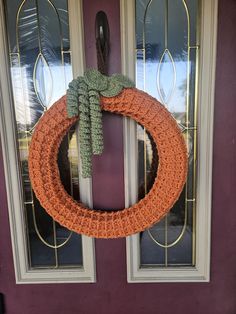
<point x="166" y="68"/>
<point x="38" y="33"/>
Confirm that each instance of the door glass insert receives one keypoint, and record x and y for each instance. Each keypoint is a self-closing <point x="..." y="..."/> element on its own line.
<point x="40" y="60"/>
<point x="166" y="68"/>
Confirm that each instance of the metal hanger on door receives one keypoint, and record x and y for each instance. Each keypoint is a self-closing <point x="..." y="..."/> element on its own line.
<point x="102" y="34"/>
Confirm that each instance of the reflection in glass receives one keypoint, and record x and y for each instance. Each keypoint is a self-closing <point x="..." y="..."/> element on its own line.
<point x="166" y="68"/>
<point x="38" y="33"/>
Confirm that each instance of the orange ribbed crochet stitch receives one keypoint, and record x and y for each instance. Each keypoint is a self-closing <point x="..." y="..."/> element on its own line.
<point x="169" y="182"/>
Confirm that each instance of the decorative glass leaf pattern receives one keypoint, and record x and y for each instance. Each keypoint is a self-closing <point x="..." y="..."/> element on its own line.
<point x="166" y="77"/>
<point x="166" y="68"/>
<point x="43" y="83"/>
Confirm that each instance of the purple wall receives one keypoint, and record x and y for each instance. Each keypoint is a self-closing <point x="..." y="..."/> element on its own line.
<point x="111" y="294"/>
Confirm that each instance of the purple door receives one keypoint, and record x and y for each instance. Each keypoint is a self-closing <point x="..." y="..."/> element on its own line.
<point x="111" y="293"/>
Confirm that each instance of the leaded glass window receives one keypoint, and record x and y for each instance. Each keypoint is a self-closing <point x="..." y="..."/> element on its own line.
<point x="166" y="67"/>
<point x="40" y="61"/>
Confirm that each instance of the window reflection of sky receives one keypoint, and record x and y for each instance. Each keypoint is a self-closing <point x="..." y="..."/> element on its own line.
<point x="50" y="84"/>
<point x="177" y="102"/>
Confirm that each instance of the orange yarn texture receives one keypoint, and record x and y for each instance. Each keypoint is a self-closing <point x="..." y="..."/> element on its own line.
<point x="169" y="182"/>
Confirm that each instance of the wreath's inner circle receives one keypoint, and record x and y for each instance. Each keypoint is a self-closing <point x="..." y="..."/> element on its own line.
<point x="68" y="160"/>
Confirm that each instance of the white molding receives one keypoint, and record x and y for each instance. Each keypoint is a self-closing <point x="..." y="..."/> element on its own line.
<point x="76" y="24"/>
<point x="208" y="41"/>
<point x="208" y="37"/>
<point x="78" y="62"/>
<point x="127" y="26"/>
<point x="75" y="8"/>
<point x="13" y="182"/>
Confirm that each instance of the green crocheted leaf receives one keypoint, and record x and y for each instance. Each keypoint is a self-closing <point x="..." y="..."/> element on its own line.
<point x="95" y="80"/>
<point x="113" y="88"/>
<point x="123" y="80"/>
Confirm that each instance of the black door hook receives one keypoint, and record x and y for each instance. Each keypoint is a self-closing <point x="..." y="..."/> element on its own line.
<point x="102" y="34"/>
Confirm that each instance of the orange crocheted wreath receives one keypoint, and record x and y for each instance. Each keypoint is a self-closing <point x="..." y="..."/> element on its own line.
<point x="169" y="182"/>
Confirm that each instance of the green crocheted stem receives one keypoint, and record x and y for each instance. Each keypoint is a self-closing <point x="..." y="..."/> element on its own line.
<point x="83" y="97"/>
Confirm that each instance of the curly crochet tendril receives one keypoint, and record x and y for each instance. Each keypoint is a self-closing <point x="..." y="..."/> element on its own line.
<point x="83" y="97"/>
<point x="85" y="130"/>
<point x="96" y="122"/>
<point x="72" y="97"/>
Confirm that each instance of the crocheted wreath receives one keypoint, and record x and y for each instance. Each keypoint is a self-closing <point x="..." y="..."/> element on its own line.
<point x="168" y="184"/>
